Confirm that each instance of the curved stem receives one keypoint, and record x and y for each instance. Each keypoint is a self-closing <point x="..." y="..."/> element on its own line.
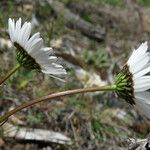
<point x="56" y="95"/>
<point x="13" y="70"/>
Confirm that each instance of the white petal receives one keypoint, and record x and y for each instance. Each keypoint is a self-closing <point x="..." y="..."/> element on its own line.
<point x="17" y="30"/>
<point x="142" y="100"/>
<point x="57" y="78"/>
<point x="36" y="47"/>
<point x="141" y="73"/>
<point x="26" y="35"/>
<point x="31" y="40"/>
<point x="142" y="80"/>
<point x="45" y="60"/>
<point x="22" y="33"/>
<point x="142" y="87"/>
<point x="143" y="108"/>
<point x="57" y="65"/>
<point x="138" y="52"/>
<point x="53" y="58"/>
<point x="142" y="49"/>
<point x="54" y="71"/>
<point x="140" y="63"/>
<point x="49" y="49"/>
<point x="41" y="55"/>
<point x="11" y="29"/>
<point x="142" y="84"/>
<point x="144" y="96"/>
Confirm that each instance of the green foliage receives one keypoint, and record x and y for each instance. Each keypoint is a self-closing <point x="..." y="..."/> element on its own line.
<point x="72" y="81"/>
<point x="101" y="130"/>
<point x="87" y="18"/>
<point x="1" y="132"/>
<point x="54" y="25"/>
<point x="35" y="119"/>
<point x="77" y="103"/>
<point x="98" y="58"/>
<point x="97" y="129"/>
<point x="110" y="2"/>
<point x="144" y="2"/>
<point x="21" y="78"/>
<point x="8" y="8"/>
<point x="59" y="25"/>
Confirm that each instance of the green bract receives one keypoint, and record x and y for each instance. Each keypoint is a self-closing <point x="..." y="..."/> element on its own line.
<point x="25" y="59"/>
<point x="124" y="84"/>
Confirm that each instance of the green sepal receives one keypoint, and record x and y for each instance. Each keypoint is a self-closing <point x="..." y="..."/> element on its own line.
<point x="124" y="84"/>
<point x="25" y="59"/>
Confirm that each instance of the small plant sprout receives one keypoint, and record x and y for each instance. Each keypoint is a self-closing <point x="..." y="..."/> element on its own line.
<point x="133" y="81"/>
<point x="30" y="51"/>
<point x="131" y="84"/>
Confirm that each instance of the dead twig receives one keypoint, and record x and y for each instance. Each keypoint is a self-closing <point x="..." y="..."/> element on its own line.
<point x="74" y="21"/>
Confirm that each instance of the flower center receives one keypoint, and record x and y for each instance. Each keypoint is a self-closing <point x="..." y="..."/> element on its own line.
<point x="124" y="85"/>
<point x="25" y="59"/>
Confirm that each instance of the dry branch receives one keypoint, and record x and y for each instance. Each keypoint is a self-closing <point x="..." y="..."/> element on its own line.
<point x="74" y="21"/>
<point x="128" y="18"/>
<point x="29" y="134"/>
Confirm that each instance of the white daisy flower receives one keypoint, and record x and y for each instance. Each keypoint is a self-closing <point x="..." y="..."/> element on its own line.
<point x="31" y="53"/>
<point x="133" y="81"/>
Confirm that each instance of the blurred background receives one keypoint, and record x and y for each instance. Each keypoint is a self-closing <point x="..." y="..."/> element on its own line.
<point x="93" y="38"/>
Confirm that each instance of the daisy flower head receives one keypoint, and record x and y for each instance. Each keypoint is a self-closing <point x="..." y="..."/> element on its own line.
<point x="133" y="81"/>
<point x="31" y="53"/>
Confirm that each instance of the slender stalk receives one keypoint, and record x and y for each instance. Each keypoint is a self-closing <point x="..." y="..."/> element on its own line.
<point x="13" y="70"/>
<point x="56" y="95"/>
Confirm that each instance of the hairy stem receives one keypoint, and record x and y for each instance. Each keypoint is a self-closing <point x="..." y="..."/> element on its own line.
<point x="13" y="70"/>
<point x="56" y="95"/>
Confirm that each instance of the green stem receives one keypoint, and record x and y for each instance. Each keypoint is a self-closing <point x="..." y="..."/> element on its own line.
<point x="56" y="95"/>
<point x="13" y="70"/>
